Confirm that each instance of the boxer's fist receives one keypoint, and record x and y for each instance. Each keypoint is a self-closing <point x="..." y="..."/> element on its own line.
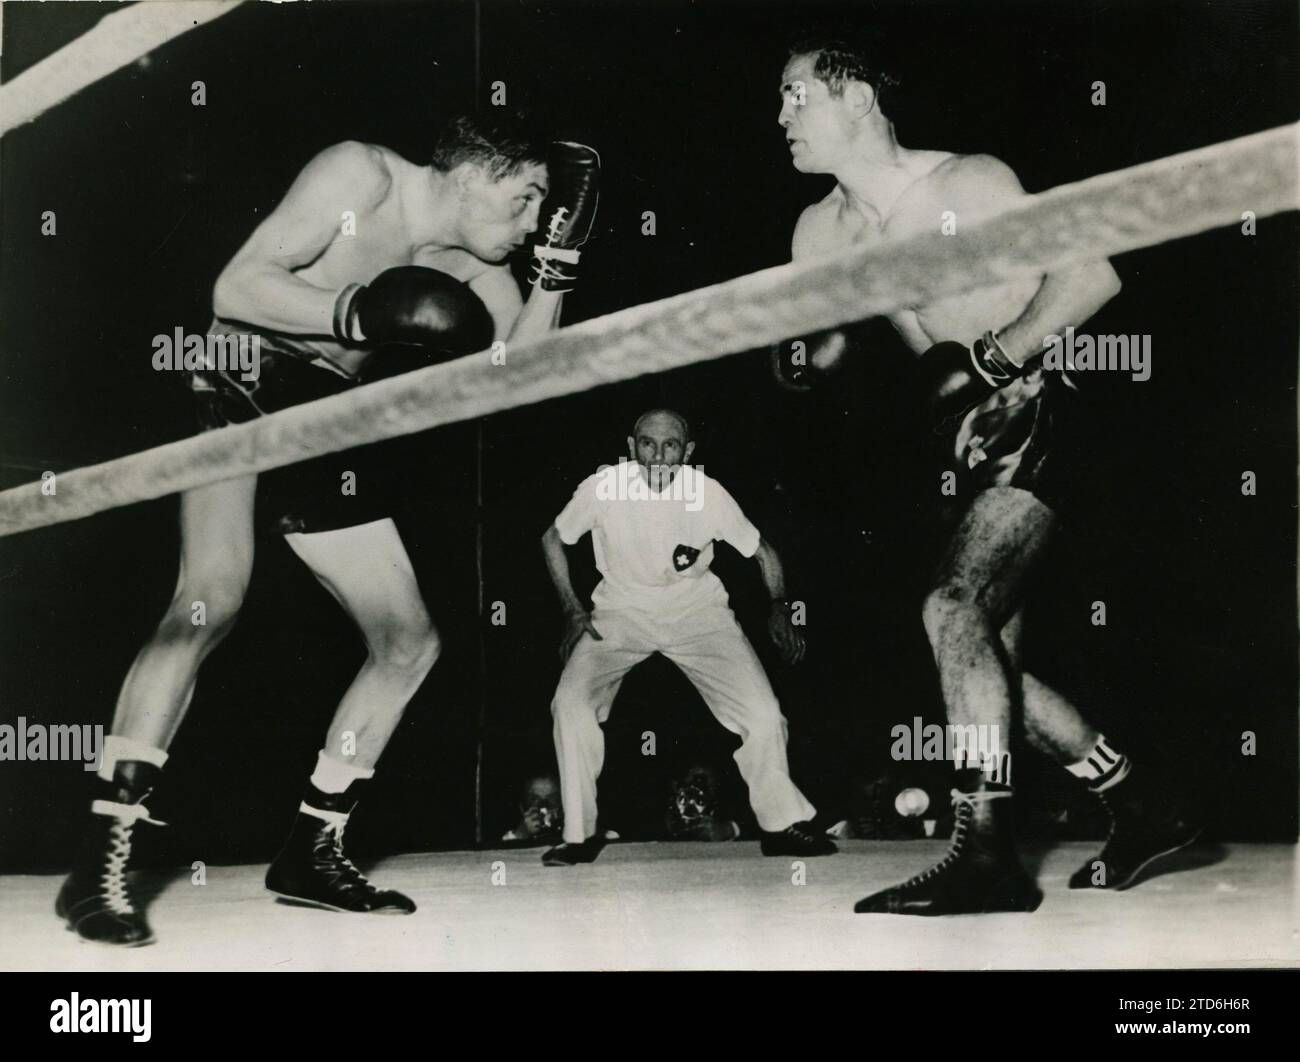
<point x="413" y="305"/>
<point x="567" y="215"/>
<point x="394" y="359"/>
<point x="800" y="364"/>
<point x="958" y="378"/>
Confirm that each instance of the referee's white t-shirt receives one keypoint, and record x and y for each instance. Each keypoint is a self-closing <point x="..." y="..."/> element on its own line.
<point x="653" y="550"/>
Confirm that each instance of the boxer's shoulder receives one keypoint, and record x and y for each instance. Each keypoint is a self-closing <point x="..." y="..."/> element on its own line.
<point x="820" y="226"/>
<point x="367" y="169"/>
<point x="961" y="182"/>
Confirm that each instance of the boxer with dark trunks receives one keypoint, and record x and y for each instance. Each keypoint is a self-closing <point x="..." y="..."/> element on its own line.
<point x="1000" y="422"/>
<point x="369" y="266"/>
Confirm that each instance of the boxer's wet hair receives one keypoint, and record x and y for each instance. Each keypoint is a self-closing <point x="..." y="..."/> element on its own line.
<point x="840" y="56"/>
<point x="685" y="424"/>
<point x="501" y="142"/>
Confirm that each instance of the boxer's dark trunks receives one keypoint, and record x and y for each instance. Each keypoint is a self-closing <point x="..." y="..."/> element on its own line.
<point x="1024" y="436"/>
<point x="308" y="496"/>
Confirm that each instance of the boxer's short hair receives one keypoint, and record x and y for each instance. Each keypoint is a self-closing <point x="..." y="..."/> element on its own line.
<point x="501" y="142"/>
<point x="843" y="55"/>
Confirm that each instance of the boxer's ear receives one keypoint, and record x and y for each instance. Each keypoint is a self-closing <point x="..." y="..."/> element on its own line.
<point x="631" y="447"/>
<point x="686" y="454"/>
<point x="861" y="97"/>
<point x="468" y="176"/>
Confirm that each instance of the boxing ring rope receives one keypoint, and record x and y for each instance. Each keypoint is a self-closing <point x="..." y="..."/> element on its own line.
<point x="113" y="41"/>
<point x="1179" y="195"/>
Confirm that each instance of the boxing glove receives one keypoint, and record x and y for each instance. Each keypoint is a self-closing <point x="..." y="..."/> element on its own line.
<point x="958" y="378"/>
<point x="413" y="305"/>
<point x="567" y="215"/>
<point x="801" y="364"/>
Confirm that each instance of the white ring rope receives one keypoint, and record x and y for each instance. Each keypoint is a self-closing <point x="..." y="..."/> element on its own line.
<point x="1172" y="197"/>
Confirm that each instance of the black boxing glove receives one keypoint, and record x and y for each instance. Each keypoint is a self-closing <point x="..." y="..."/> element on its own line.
<point x="567" y="215"/>
<point x="958" y="378"/>
<point x="395" y="359"/>
<point x="801" y="364"/>
<point x="413" y="305"/>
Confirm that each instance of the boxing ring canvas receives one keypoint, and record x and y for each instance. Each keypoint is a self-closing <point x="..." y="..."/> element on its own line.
<point x="687" y="906"/>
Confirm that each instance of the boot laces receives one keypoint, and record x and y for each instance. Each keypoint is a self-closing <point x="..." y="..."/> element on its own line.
<point x="112" y="877"/>
<point x="340" y="868"/>
<point x="112" y="880"/>
<point x="964" y="803"/>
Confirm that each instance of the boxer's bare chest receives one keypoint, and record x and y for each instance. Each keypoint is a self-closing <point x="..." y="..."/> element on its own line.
<point x="922" y="207"/>
<point x="379" y="238"/>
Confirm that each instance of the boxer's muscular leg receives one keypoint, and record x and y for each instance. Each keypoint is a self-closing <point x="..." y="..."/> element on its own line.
<point x="976" y="591"/>
<point x="368" y="571"/>
<point x="1146" y="821"/>
<point x="1052" y="724"/>
<point x="216" y="562"/>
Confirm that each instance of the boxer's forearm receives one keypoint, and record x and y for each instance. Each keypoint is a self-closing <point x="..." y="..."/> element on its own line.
<point x="773" y="572"/>
<point x="539" y="315"/>
<point x="1065" y="299"/>
<point x="557" y="564"/>
<point x="273" y="298"/>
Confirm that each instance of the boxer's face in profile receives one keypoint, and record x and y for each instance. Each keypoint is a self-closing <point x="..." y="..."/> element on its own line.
<point x="498" y="214"/>
<point x="659" y="446"/>
<point x="818" y="126"/>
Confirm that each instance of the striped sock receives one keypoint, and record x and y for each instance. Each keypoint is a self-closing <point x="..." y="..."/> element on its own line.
<point x="1103" y="767"/>
<point x="994" y="767"/>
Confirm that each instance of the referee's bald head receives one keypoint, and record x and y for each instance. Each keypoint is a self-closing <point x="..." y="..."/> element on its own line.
<point x="666" y="414"/>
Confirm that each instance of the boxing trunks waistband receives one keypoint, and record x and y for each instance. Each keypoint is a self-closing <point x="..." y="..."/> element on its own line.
<point x="326" y="493"/>
<point x="1022" y="436"/>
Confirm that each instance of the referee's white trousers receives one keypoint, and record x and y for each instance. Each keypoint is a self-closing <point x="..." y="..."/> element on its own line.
<point x="710" y="648"/>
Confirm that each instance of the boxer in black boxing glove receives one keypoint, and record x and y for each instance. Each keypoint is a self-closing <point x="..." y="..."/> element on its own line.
<point x="416" y="306"/>
<point x="957" y="378"/>
<point x="566" y="216"/>
<point x="803" y="363"/>
<point x="420" y="273"/>
<point x="1005" y="458"/>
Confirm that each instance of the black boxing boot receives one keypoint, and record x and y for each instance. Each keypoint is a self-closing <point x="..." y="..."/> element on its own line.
<point x="1146" y="824"/>
<point x="95" y="901"/>
<point x="980" y="873"/>
<point x="311" y="868"/>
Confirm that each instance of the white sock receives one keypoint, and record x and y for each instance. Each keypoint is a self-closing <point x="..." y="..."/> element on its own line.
<point x="996" y="768"/>
<point x="117" y="748"/>
<point x="334" y="776"/>
<point x="1103" y="767"/>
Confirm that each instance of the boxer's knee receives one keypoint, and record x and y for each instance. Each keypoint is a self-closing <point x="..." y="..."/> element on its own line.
<point x="410" y="646"/>
<point x="202" y="613"/>
<point x="951" y="611"/>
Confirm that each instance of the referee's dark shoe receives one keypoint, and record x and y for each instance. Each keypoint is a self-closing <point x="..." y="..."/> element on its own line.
<point x="797" y="840"/>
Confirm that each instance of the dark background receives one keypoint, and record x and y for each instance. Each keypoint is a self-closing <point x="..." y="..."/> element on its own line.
<point x="153" y="195"/>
